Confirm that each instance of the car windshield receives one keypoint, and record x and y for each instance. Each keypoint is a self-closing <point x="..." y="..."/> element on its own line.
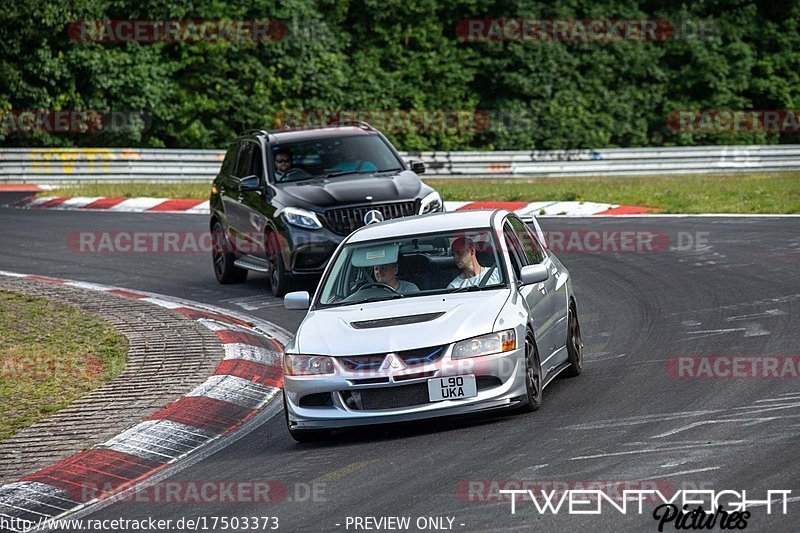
<point x="407" y="267"/>
<point x="332" y="157"/>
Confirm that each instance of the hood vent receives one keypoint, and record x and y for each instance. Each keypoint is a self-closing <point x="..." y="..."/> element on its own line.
<point x="396" y="321"/>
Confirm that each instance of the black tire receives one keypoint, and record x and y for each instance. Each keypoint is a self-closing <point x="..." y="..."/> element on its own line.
<point x="279" y="281"/>
<point x="304" y="435"/>
<point x="533" y="377"/>
<point x="574" y="345"/>
<point x="222" y="256"/>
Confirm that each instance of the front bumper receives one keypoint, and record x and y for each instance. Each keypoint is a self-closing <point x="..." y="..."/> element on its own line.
<point x="503" y="376"/>
<point x="310" y="249"/>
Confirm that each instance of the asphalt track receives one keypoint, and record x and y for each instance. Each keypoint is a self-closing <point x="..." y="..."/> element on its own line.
<point x="625" y="419"/>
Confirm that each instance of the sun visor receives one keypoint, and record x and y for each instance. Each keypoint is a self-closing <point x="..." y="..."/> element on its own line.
<point x="381" y="254"/>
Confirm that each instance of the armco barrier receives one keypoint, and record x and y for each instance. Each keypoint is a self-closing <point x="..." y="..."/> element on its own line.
<point x="54" y="165"/>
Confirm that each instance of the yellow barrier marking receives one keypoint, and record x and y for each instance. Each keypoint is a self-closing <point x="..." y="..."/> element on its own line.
<point x="69" y="158"/>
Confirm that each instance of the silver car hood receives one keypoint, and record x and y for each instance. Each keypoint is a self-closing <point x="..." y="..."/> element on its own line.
<point x="329" y="331"/>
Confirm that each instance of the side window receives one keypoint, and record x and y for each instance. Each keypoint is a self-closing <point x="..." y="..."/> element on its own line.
<point x="531" y="250"/>
<point x="513" y="247"/>
<point x="230" y="160"/>
<point x="256" y="163"/>
<point x="244" y="161"/>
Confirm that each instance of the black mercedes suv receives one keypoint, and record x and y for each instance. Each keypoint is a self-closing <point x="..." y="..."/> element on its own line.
<point x="283" y="200"/>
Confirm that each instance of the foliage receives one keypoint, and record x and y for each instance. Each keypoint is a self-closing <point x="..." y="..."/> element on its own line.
<point x="390" y="55"/>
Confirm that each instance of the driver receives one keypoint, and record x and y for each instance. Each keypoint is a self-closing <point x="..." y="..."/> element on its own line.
<point x="283" y="163"/>
<point x="388" y="274"/>
<point x="472" y="272"/>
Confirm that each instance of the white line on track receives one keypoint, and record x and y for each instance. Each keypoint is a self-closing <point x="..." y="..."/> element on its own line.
<point x="684" y="472"/>
<point x="658" y="450"/>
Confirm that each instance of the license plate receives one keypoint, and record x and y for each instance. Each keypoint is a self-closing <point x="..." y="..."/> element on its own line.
<point x="452" y="388"/>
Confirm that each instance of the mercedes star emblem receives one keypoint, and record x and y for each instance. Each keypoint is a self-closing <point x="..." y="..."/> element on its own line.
<point x="373" y="217"/>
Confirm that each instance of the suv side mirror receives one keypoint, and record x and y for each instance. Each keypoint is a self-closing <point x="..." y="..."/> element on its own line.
<point x="296" y="300"/>
<point x="417" y="166"/>
<point x="533" y="274"/>
<point x="250" y="183"/>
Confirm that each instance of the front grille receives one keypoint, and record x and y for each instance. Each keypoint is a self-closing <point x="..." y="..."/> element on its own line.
<point x="387" y="397"/>
<point x="345" y="221"/>
<point x="417" y="356"/>
<point x="363" y="362"/>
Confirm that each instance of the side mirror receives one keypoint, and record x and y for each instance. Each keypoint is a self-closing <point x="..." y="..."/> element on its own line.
<point x="533" y="274"/>
<point x="296" y="300"/>
<point x="417" y="166"/>
<point x="250" y="183"/>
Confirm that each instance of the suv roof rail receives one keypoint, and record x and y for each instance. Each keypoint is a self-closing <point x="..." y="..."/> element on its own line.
<point x="359" y="123"/>
<point x="259" y="132"/>
<point x="250" y="132"/>
<point x="366" y="126"/>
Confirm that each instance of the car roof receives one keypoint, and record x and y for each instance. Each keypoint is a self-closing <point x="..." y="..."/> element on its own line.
<point x="433" y="222"/>
<point x="318" y="133"/>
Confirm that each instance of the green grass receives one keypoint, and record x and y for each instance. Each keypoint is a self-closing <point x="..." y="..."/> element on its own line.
<point x="735" y="193"/>
<point x="52" y="354"/>
<point x="135" y="190"/>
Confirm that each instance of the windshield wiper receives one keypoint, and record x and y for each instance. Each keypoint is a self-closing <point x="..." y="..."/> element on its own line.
<point x="335" y="174"/>
<point x="345" y="172"/>
<point x="384" y="170"/>
<point x="381" y="299"/>
<point x="466" y="288"/>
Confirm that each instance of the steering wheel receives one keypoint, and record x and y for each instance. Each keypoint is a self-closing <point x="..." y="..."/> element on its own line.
<point x="293" y="172"/>
<point x="377" y="285"/>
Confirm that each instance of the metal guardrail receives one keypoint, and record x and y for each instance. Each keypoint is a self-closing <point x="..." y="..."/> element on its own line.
<point x="54" y="165"/>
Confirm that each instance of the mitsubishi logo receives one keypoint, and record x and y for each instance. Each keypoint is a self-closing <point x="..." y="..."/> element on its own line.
<point x="373" y="217"/>
<point x="392" y="362"/>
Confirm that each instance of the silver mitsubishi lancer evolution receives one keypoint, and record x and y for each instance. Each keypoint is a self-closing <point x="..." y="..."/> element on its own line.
<point x="435" y="315"/>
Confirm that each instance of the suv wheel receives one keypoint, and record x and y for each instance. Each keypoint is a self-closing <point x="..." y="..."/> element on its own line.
<point x="224" y="269"/>
<point x="279" y="280"/>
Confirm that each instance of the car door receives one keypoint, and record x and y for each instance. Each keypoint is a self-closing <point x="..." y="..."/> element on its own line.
<point x="254" y="206"/>
<point x="555" y="288"/>
<point x="533" y="254"/>
<point x="228" y="189"/>
<point x="535" y="296"/>
<point x="557" y="281"/>
<point x="237" y="215"/>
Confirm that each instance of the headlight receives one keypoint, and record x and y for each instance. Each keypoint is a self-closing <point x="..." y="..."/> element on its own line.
<point x="301" y="218"/>
<point x="502" y="341"/>
<point x="431" y="203"/>
<point x="307" y="365"/>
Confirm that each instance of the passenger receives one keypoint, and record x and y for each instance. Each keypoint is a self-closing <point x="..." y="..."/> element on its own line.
<point x="351" y="161"/>
<point x="388" y="274"/>
<point x="472" y="272"/>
